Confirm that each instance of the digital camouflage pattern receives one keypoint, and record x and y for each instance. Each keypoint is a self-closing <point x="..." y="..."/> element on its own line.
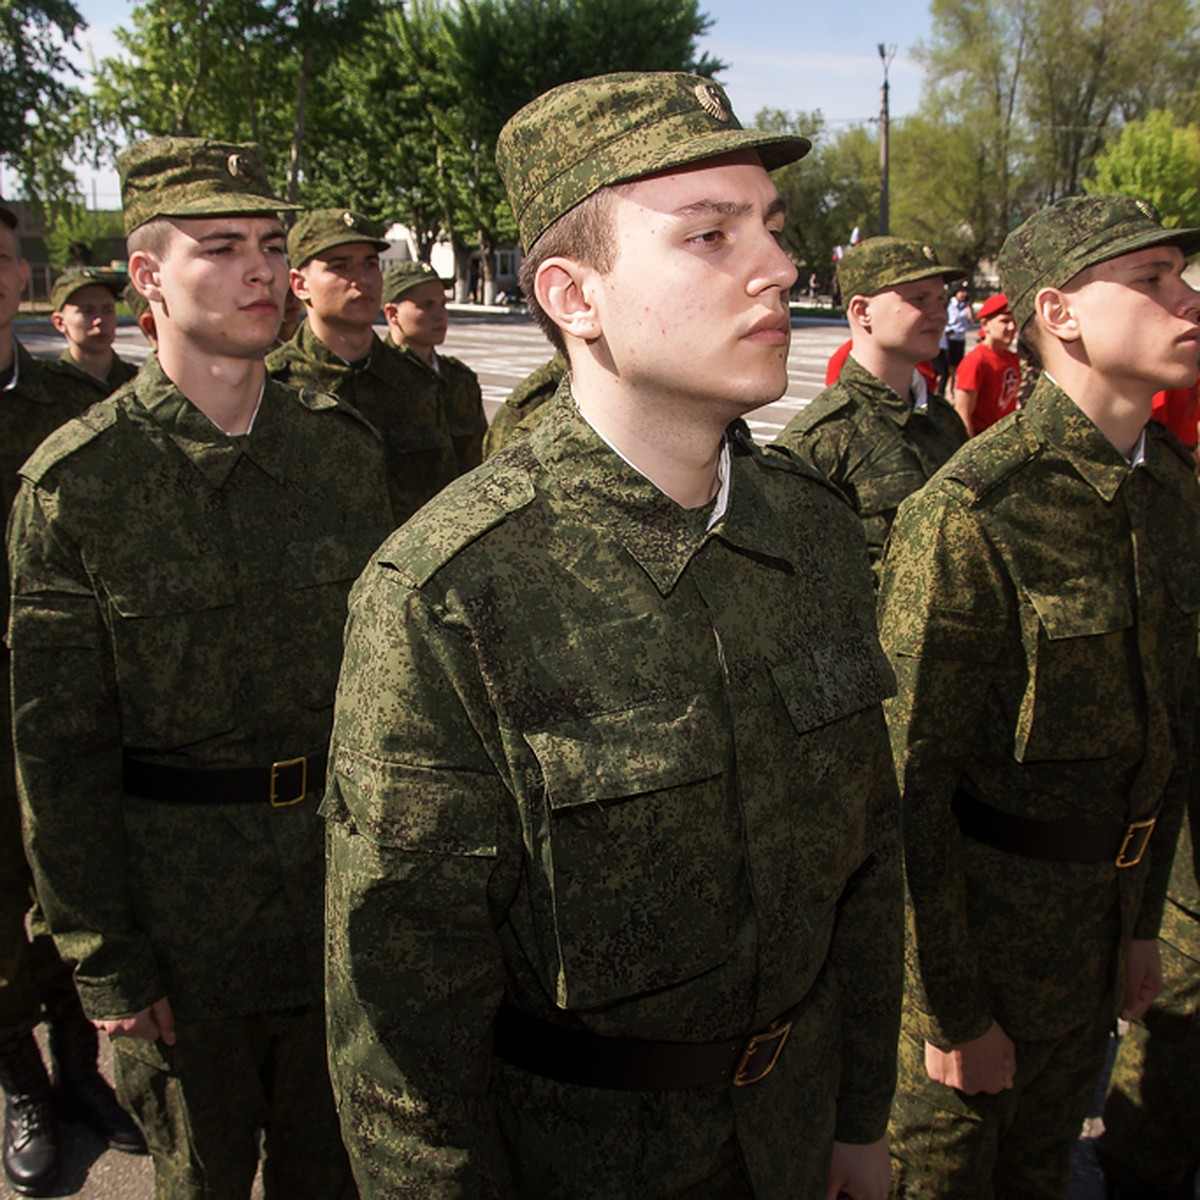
<point x="877" y="447"/>
<point x="180" y="594"/>
<point x="580" y="137"/>
<point x="879" y="263"/>
<point x="629" y="772"/>
<point x="1152" y="1115"/>
<point x="70" y="281"/>
<point x="324" y="228"/>
<point x="1064" y="238"/>
<point x="194" y="177"/>
<point x="34" y="981"/>
<point x="417" y="441"/>
<point x="400" y="279"/>
<point x="529" y="396"/>
<point x="460" y="399"/>
<point x="1038" y="602"/>
<point x="81" y="388"/>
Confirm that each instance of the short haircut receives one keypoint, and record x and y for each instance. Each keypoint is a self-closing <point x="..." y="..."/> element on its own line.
<point x="584" y="234"/>
<point x="154" y="237"/>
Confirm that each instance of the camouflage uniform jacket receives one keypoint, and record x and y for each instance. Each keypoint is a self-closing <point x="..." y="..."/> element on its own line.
<point x="461" y="400"/>
<point x="1038" y="602"/>
<point x="180" y="594"/>
<point x="529" y="396"/>
<point x="84" y="387"/>
<point x="630" y="773"/>
<point x="875" y="445"/>
<point x="416" y="436"/>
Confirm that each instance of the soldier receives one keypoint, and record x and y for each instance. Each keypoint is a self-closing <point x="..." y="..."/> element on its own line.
<point x="414" y="306"/>
<point x="528" y="397"/>
<point x="1038" y="601"/>
<point x="988" y="381"/>
<point x="35" y="983"/>
<point x="180" y="559"/>
<point x="85" y="313"/>
<point x="334" y="255"/>
<point x="878" y="433"/>
<point x="612" y="827"/>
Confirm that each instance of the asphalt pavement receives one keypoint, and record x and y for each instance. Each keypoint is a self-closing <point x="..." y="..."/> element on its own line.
<point x="502" y="350"/>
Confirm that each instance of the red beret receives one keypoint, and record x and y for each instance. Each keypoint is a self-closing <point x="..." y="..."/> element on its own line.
<point x="993" y="305"/>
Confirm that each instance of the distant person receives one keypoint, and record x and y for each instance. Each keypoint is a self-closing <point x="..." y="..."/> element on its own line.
<point x="989" y="376"/>
<point x="84" y="303"/>
<point x="414" y="306"/>
<point x="1038" y="603"/>
<point x="878" y="433"/>
<point x="958" y="322"/>
<point x="334" y="257"/>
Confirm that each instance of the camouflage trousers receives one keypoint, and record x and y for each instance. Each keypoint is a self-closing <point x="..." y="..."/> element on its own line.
<point x="1152" y="1115"/>
<point x="35" y="983"/>
<point x="1014" y="1146"/>
<point x="227" y="1086"/>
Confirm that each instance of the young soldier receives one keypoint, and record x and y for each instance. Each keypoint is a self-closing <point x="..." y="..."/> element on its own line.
<point x="180" y="559"/>
<point x="35" y="983"/>
<point x="85" y="313"/>
<point x="414" y="306"/>
<point x="334" y="256"/>
<point x="989" y="377"/>
<point x="1039" y="604"/>
<point x="878" y="433"/>
<point x="611" y="824"/>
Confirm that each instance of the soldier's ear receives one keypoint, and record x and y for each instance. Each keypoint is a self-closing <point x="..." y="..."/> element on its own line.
<point x="298" y="282"/>
<point x="562" y="287"/>
<point x="1054" y="313"/>
<point x="859" y="312"/>
<point x="145" y="272"/>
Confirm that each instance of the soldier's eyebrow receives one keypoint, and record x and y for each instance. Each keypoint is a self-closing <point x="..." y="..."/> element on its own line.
<point x="729" y="208"/>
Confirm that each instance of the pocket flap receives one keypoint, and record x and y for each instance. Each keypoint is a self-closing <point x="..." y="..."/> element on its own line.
<point x="835" y="681"/>
<point x="149" y="589"/>
<point x="1081" y="609"/>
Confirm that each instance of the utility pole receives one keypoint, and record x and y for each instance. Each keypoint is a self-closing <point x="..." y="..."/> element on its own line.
<point x="886" y="54"/>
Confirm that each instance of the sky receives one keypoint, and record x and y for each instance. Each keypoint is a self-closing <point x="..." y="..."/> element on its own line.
<point x="789" y="54"/>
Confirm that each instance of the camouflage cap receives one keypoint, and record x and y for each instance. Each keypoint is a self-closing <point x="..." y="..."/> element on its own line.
<point x="879" y="263"/>
<point x="1075" y="233"/>
<point x="7" y="216"/>
<point x="70" y="281"/>
<point x="580" y="137"/>
<point x="324" y="228"/>
<point x="194" y="177"/>
<point x="401" y="278"/>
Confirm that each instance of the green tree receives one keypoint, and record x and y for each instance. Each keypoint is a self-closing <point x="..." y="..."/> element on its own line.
<point x="37" y="95"/>
<point x="1154" y="159"/>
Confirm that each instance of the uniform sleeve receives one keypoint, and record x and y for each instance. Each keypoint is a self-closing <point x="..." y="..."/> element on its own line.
<point x="419" y="844"/>
<point x="67" y="730"/>
<point x="944" y="608"/>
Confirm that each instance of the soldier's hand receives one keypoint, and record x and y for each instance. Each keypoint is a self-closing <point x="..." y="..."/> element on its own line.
<point x="863" y="1172"/>
<point x="1143" y="980"/>
<point x="151" y="1023"/>
<point x="987" y="1063"/>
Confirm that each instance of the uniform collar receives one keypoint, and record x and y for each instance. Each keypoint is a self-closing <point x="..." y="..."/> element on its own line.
<point x="312" y="347"/>
<point x="895" y="407"/>
<point x="660" y="536"/>
<point x="214" y="453"/>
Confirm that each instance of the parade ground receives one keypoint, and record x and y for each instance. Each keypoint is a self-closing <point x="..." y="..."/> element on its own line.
<point x="501" y="349"/>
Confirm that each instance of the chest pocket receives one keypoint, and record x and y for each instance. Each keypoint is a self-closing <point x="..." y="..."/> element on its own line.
<point x="1081" y="665"/>
<point x="167" y="618"/>
<point x="645" y="793"/>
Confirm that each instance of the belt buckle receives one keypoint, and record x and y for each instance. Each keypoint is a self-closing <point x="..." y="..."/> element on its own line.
<point x="778" y="1036"/>
<point x="282" y="765"/>
<point x="1136" y="833"/>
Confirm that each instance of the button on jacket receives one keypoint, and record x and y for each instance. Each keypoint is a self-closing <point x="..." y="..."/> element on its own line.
<point x="178" y="594"/>
<point x="629" y="772"/>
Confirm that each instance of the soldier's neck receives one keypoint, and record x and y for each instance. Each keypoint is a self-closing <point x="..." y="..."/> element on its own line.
<point x="225" y="390"/>
<point x="98" y="364"/>
<point x="349" y="342"/>
<point x="887" y="366"/>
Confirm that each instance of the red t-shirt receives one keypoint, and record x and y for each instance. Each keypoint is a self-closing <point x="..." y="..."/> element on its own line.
<point x="995" y="378"/>
<point x="1178" y="409"/>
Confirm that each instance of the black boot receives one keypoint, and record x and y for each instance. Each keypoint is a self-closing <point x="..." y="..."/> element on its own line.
<point x="84" y="1094"/>
<point x="30" y="1132"/>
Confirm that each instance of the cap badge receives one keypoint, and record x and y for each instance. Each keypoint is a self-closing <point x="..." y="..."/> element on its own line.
<point x="1147" y="209"/>
<point x="234" y="165"/>
<point x="929" y="254"/>
<point x="713" y="101"/>
<point x="348" y="220"/>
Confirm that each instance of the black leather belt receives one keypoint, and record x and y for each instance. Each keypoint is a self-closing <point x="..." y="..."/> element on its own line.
<point x="633" y="1064"/>
<point x="1121" y="843"/>
<point x="280" y="785"/>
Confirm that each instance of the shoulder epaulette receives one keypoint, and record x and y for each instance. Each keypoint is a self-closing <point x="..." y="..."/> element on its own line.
<point x="779" y="458"/>
<point x="985" y="462"/>
<point x="69" y="438"/>
<point x="473" y="504"/>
